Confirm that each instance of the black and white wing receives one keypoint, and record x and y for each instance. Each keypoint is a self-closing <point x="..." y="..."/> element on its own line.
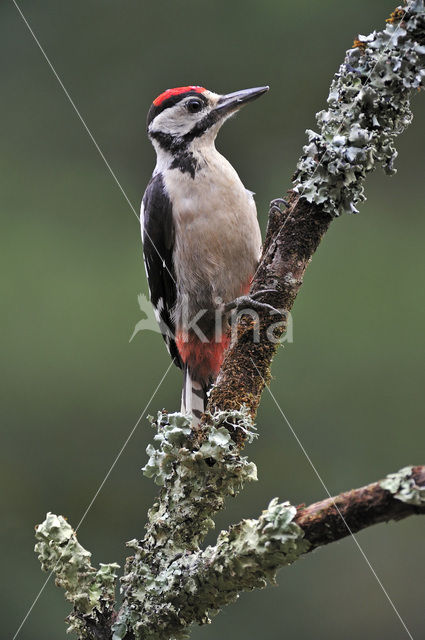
<point x="158" y="242"/>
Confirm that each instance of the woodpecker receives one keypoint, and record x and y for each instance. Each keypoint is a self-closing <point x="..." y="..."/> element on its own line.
<point x="201" y="238"/>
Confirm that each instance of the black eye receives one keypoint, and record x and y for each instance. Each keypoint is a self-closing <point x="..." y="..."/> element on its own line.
<point x="194" y="105"/>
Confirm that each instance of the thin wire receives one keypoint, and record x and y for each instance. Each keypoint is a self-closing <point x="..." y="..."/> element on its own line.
<point x="92" y="138"/>
<point x="94" y="498"/>
<point x="303" y="449"/>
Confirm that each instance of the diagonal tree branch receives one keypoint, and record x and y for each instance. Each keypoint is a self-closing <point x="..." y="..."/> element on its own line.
<point x="368" y="107"/>
<point x="391" y="499"/>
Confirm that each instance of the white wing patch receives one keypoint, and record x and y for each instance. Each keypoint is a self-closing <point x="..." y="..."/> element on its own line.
<point x="142" y="220"/>
<point x="158" y="310"/>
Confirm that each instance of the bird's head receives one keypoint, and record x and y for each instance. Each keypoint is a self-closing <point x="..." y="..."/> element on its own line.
<point x="179" y="117"/>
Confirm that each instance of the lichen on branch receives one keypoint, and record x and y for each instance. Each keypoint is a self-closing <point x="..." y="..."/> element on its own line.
<point x="404" y="487"/>
<point x="168" y="588"/>
<point x="368" y="107"/>
<point x="91" y="591"/>
<point x="195" y="480"/>
<point x="195" y="586"/>
<point x="170" y="583"/>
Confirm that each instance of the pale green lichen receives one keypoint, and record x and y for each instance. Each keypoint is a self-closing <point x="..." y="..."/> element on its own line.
<point x="402" y="485"/>
<point x="175" y="438"/>
<point x="60" y="552"/>
<point x="368" y="106"/>
<point x="194" y="586"/>
<point x="254" y="550"/>
<point x="174" y="432"/>
<point x="195" y="481"/>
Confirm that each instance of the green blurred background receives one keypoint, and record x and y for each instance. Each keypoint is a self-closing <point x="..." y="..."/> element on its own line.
<point x="73" y="386"/>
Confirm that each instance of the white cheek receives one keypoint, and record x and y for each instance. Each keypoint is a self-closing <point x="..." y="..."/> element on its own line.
<point x="163" y="158"/>
<point x="175" y="122"/>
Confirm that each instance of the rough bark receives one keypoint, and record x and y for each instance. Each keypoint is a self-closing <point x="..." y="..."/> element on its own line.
<point x="292" y="237"/>
<point x="335" y="518"/>
<point x="368" y="106"/>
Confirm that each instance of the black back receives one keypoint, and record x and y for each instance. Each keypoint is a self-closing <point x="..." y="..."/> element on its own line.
<point x="158" y="245"/>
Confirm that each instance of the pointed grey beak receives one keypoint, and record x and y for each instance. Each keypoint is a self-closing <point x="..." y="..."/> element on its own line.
<point x="234" y="101"/>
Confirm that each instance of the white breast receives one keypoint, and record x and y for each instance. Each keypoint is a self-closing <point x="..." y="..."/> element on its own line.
<point x="217" y="236"/>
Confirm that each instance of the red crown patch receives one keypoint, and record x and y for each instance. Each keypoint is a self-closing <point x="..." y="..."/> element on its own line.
<point x="175" y="92"/>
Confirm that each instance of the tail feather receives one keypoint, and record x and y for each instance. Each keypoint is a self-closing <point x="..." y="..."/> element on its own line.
<point x="194" y="396"/>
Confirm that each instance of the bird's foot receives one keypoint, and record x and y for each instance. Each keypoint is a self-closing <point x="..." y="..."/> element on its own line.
<point x="249" y="302"/>
<point x="276" y="205"/>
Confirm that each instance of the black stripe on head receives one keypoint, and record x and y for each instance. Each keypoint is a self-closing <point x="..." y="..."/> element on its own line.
<point x="170" y="102"/>
<point x="180" y="143"/>
<point x="200" y="127"/>
<point x="178" y="146"/>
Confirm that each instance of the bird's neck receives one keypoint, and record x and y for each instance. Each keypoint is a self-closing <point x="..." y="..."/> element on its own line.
<point x="187" y="159"/>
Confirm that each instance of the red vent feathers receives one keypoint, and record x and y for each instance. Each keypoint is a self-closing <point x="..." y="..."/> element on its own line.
<point x="175" y="92"/>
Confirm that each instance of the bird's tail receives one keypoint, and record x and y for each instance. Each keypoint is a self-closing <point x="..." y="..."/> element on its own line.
<point x="194" y="396"/>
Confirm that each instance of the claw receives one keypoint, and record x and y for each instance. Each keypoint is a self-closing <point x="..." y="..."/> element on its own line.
<point x="249" y="302"/>
<point x="261" y="292"/>
<point x="275" y="205"/>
